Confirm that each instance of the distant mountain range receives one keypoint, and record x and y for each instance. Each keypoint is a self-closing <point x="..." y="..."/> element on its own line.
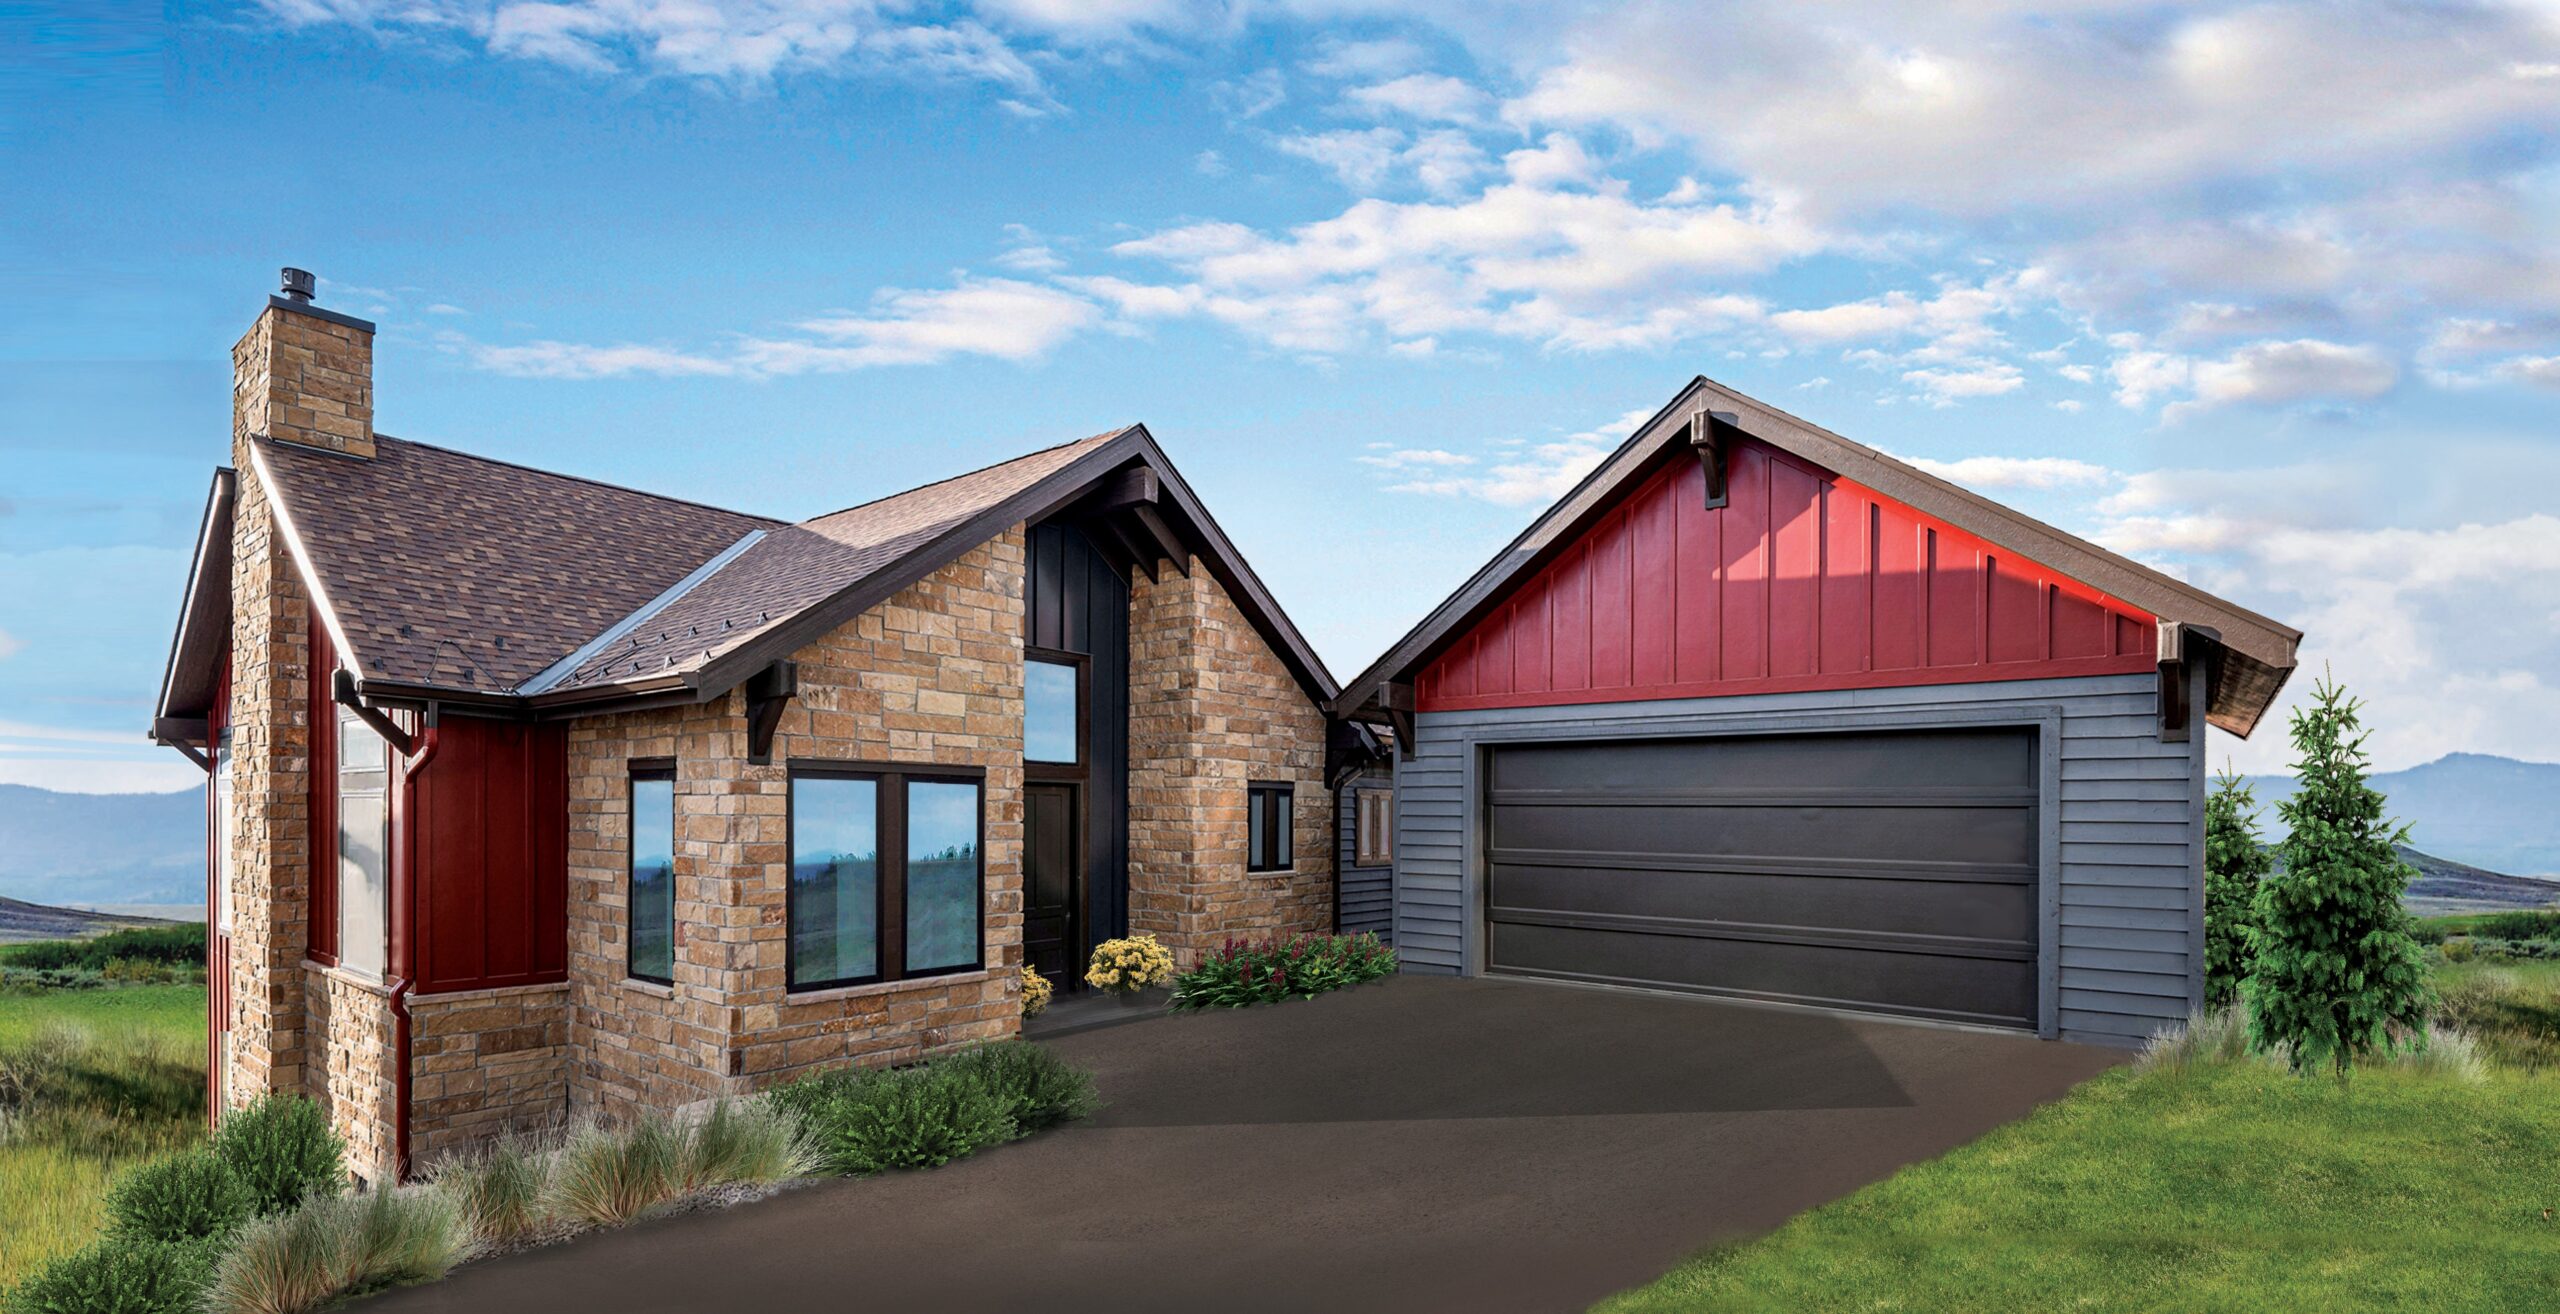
<point x="2474" y="817"/>
<point x="101" y="848"/>
<point x="2490" y="812"/>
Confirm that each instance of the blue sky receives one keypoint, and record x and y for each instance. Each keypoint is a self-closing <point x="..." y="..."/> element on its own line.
<point x="2212" y="284"/>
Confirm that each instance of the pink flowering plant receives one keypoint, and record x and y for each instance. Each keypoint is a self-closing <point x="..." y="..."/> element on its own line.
<point x="1243" y="972"/>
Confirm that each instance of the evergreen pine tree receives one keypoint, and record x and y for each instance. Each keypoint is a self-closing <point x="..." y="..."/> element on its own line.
<point x="2334" y="968"/>
<point x="2235" y="861"/>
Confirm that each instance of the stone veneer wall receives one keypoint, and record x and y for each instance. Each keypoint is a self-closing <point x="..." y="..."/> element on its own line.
<point x="270" y="762"/>
<point x="932" y="676"/>
<point x="483" y="1063"/>
<point x="350" y="1069"/>
<point x="1212" y="709"/>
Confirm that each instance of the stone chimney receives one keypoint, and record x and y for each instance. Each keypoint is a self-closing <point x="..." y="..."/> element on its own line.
<point x="303" y="375"/>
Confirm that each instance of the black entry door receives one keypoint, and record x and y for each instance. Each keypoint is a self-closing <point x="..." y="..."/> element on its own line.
<point x="1052" y="902"/>
<point x="1890" y="872"/>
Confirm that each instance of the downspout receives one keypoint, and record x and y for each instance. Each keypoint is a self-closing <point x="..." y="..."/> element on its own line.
<point x="422" y="751"/>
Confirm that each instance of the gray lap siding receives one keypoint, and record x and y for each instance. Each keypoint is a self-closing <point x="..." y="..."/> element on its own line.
<point x="1367" y="897"/>
<point x="2124" y="820"/>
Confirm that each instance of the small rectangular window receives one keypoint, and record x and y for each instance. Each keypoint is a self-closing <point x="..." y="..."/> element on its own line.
<point x="364" y="842"/>
<point x="1373" y="842"/>
<point x="1049" y="704"/>
<point x="1270" y="808"/>
<point x="653" y="874"/>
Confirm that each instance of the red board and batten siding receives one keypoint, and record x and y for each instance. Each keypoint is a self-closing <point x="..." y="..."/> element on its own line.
<point x="488" y="817"/>
<point x="1802" y="581"/>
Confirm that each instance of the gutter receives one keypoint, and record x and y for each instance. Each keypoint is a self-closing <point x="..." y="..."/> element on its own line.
<point x="400" y="895"/>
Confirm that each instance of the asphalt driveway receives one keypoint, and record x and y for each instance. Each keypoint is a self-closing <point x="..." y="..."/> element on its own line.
<point x="1425" y="1143"/>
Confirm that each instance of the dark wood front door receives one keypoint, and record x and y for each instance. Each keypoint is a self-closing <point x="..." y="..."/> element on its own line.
<point x="1052" y="914"/>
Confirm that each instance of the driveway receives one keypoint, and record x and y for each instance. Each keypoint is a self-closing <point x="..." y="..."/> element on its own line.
<point x="1425" y="1143"/>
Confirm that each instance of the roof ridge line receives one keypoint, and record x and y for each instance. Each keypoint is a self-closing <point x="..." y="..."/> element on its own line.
<point x="579" y="656"/>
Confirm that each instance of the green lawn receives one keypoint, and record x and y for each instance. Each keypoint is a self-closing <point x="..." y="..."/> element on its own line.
<point x="2232" y="1187"/>
<point x="131" y="1087"/>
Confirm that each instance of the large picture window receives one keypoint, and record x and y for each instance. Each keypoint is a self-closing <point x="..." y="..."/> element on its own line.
<point x="653" y="873"/>
<point x="1270" y="812"/>
<point x="364" y="842"/>
<point x="887" y="875"/>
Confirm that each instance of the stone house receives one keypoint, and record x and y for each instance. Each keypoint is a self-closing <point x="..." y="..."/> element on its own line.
<point x="536" y="797"/>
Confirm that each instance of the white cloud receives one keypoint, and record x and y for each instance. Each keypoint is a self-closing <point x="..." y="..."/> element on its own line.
<point x="1430" y="97"/>
<point x="10" y="645"/>
<point x="1384" y="58"/>
<point x="72" y="775"/>
<point x="1947" y="387"/>
<point x="2038" y="472"/>
<point x="1210" y="164"/>
<point x="1527" y="474"/>
<point x="1405" y="458"/>
<point x="1360" y="157"/>
<point x="2541" y="371"/>
<point x="2276" y="373"/>
<point x="1006" y="319"/>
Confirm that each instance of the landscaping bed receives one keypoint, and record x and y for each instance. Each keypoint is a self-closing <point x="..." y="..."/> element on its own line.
<point x="1241" y="973"/>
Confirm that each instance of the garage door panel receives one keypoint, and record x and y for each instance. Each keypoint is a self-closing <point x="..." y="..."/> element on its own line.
<point x="1893" y="872"/>
<point x="1948" y="987"/>
<point x="1991" y="833"/>
<point x="1957" y="758"/>
<point x="1979" y="910"/>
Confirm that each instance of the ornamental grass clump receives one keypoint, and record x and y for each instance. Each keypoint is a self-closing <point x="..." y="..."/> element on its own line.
<point x="1127" y="966"/>
<point x="499" y="1187"/>
<point x="609" y="1176"/>
<point x="339" y="1245"/>
<point x="1244" y="972"/>
<point x="744" y="1143"/>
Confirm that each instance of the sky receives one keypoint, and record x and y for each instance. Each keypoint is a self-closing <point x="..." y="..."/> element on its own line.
<point x="2264" y="295"/>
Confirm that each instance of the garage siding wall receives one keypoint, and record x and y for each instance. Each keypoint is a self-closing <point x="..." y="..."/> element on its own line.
<point x="2130" y="911"/>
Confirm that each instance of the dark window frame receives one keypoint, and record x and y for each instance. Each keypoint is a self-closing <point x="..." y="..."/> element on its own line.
<point x="1043" y="768"/>
<point x="651" y="769"/>
<point x="889" y="784"/>
<point x="1373" y="845"/>
<point x="1275" y="803"/>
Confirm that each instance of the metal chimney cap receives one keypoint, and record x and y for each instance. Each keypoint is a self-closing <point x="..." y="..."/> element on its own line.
<point x="298" y="283"/>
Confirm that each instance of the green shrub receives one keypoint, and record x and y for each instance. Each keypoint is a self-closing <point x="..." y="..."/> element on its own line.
<point x="173" y="946"/>
<point x="499" y="1187"/>
<point x="2335" y="975"/>
<point x="283" y="1147"/>
<point x="864" y="1122"/>
<point x="120" y="1275"/>
<point x="2235" y="861"/>
<point x="1040" y="1089"/>
<point x="2458" y="949"/>
<point x="335" y="1245"/>
<point x="194" y="1196"/>
<point x="610" y="1176"/>
<point x="1243" y="972"/>
<point x="745" y="1141"/>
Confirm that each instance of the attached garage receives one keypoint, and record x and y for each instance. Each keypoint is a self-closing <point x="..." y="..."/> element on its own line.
<point x="1759" y="713"/>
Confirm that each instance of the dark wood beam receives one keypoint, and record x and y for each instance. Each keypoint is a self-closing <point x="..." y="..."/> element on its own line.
<point x="342" y="688"/>
<point x="1137" y="486"/>
<point x="1395" y="697"/>
<point x="181" y="731"/>
<point x="1710" y="436"/>
<point x="2176" y="717"/>
<point x="1170" y="543"/>
<point x="1144" y="554"/>
<point x="768" y="692"/>
<point x="1108" y="546"/>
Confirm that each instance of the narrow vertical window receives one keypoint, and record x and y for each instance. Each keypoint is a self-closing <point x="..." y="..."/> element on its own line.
<point x="653" y="874"/>
<point x="1270" y="808"/>
<point x="364" y="842"/>
<point x="1050" y="712"/>
<point x="942" y="877"/>
<point x="222" y="833"/>
<point x="1373" y="828"/>
<point x="834" y="906"/>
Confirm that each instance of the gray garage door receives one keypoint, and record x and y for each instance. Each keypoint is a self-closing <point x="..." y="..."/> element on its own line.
<point x="1888" y="872"/>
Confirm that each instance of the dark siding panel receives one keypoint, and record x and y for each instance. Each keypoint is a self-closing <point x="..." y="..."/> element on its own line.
<point x="491" y="838"/>
<point x="1078" y="604"/>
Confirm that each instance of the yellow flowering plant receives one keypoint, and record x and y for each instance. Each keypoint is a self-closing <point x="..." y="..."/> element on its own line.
<point x="1130" y="965"/>
<point x="1035" y="992"/>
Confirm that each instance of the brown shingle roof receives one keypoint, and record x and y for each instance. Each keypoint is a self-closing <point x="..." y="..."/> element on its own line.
<point x="471" y="574"/>
<point x="798" y="566"/>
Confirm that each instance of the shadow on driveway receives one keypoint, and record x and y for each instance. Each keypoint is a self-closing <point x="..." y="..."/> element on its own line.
<point x="1424" y="1143"/>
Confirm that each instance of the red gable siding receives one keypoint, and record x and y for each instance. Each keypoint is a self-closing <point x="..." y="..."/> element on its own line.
<point x="1803" y="580"/>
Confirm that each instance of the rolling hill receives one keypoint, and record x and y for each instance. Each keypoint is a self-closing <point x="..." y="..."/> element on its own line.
<point x="2473" y="809"/>
<point x="101" y="848"/>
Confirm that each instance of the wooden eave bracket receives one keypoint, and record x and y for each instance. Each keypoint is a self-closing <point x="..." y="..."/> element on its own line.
<point x="768" y="692"/>
<point x="1395" y="698"/>
<point x="2180" y="645"/>
<point x="342" y="689"/>
<point x="1710" y="435"/>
